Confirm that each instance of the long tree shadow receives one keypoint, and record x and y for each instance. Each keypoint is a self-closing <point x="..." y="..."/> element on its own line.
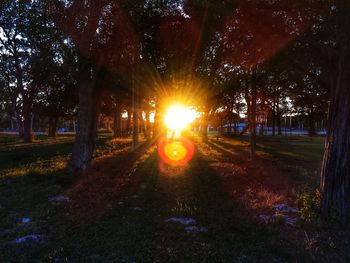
<point x="260" y="169"/>
<point x="294" y="164"/>
<point x="135" y="228"/>
<point x="240" y="149"/>
<point x="90" y="197"/>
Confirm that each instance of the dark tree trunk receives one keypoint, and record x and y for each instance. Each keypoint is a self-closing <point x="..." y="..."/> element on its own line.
<point x="117" y="122"/>
<point x="135" y="120"/>
<point x="27" y="126"/>
<point x="252" y="117"/>
<point x="135" y="129"/>
<point x="147" y="126"/>
<point x="128" y="123"/>
<point x="262" y="115"/>
<point x="27" y="129"/>
<point x="204" y="125"/>
<point x="278" y="119"/>
<point x="52" y="126"/>
<point x="27" y="112"/>
<point x="235" y="128"/>
<point x="86" y="130"/>
<point x="311" y="126"/>
<point x="19" y="124"/>
<point x="157" y="127"/>
<point x="142" y="125"/>
<point x="335" y="173"/>
<point x="261" y="131"/>
<point x="274" y="120"/>
<point x="279" y="124"/>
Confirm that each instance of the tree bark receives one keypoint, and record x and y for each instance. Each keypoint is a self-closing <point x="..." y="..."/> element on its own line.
<point x="128" y="123"/>
<point x="252" y="117"/>
<point x="52" y="126"/>
<point x="278" y="120"/>
<point x="117" y="122"/>
<point x="135" y="117"/>
<point x="261" y="131"/>
<point x="27" y="128"/>
<point x="147" y="126"/>
<point x="17" y="117"/>
<point x="19" y="124"/>
<point x="235" y="127"/>
<point x="335" y="172"/>
<point x="84" y="144"/>
<point x="274" y="119"/>
<point x="279" y="125"/>
<point x="204" y="125"/>
<point x="27" y="122"/>
<point x="311" y="126"/>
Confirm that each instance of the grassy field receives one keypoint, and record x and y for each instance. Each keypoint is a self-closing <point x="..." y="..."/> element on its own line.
<point x="120" y="211"/>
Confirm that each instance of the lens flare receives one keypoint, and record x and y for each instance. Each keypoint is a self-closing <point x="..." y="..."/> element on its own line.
<point x="175" y="152"/>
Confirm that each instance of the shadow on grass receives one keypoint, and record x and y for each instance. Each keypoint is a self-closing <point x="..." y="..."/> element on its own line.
<point x="297" y="159"/>
<point x="256" y="185"/>
<point x="27" y="196"/>
<point x="134" y="228"/>
<point x="22" y="156"/>
<point x="240" y="148"/>
<point x="219" y="146"/>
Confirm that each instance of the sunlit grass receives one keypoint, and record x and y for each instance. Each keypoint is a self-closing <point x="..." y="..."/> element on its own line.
<point x="47" y="155"/>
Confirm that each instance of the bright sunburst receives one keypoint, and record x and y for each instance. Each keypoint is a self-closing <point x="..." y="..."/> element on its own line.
<point x="178" y="117"/>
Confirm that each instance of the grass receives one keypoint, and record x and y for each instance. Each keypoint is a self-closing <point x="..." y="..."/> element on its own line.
<point x="120" y="216"/>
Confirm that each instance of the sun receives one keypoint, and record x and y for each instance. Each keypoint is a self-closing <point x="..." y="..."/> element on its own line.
<point x="179" y="117"/>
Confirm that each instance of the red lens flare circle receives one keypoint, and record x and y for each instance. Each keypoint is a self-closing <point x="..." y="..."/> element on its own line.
<point x="176" y="152"/>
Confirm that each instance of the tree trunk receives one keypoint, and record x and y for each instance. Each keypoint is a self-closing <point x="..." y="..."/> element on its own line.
<point x="128" y="123"/>
<point x="135" y="129"/>
<point x="204" y="125"/>
<point x="279" y="125"/>
<point x="17" y="117"/>
<point x="252" y="117"/>
<point x="278" y="120"/>
<point x="135" y="117"/>
<point x="230" y="124"/>
<point x="19" y="124"/>
<point x="117" y="122"/>
<point x="235" y="127"/>
<point x="87" y="122"/>
<point x="335" y="173"/>
<point x="142" y="124"/>
<point x="147" y="126"/>
<point x="311" y="128"/>
<point x="274" y="120"/>
<point x="261" y="131"/>
<point x="27" y="126"/>
<point x="52" y="126"/>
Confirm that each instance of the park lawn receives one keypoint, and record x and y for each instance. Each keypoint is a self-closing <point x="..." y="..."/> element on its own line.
<point x="118" y="212"/>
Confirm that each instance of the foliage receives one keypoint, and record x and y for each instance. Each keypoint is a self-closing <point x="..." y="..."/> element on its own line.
<point x="309" y="205"/>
